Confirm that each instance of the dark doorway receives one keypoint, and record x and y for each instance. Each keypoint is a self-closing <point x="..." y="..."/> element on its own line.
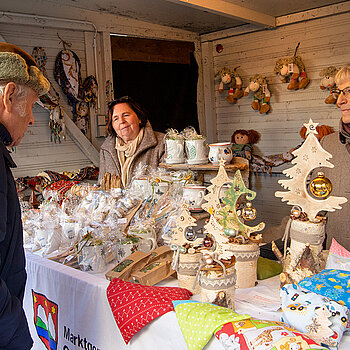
<point x="168" y="91"/>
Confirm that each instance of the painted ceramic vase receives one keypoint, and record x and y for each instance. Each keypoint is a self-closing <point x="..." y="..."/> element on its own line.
<point x="196" y="151"/>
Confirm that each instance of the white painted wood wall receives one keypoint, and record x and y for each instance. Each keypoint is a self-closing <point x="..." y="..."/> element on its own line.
<point x="323" y="42"/>
<point x="37" y="153"/>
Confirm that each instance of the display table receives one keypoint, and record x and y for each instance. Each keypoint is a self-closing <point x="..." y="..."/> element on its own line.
<point x="85" y="321"/>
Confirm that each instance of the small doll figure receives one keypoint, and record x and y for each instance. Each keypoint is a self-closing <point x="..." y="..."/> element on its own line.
<point x="242" y="141"/>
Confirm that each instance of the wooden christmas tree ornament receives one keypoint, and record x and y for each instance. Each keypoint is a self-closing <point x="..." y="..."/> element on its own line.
<point x="305" y="229"/>
<point x="186" y="257"/>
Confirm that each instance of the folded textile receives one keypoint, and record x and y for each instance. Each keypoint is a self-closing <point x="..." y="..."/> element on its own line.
<point x="322" y="319"/>
<point x="263" y="335"/>
<point x="198" y="321"/>
<point x="332" y="283"/>
<point x="134" y="305"/>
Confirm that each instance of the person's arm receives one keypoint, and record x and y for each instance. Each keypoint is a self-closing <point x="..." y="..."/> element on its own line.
<point x="14" y="332"/>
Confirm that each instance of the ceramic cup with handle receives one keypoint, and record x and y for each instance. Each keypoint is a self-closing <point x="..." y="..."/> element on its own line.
<point x="147" y="237"/>
<point x="219" y="151"/>
<point x="193" y="196"/>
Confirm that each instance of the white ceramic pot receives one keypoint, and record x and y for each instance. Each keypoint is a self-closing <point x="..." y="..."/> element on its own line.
<point x="196" y="151"/>
<point x="193" y="196"/>
<point x="174" y="151"/>
<point x="219" y="151"/>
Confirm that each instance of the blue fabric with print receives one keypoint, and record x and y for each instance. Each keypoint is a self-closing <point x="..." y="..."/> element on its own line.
<point x="322" y="319"/>
<point x="333" y="284"/>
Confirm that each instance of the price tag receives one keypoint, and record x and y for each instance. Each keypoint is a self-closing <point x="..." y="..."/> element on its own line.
<point x="122" y="221"/>
<point x="290" y="67"/>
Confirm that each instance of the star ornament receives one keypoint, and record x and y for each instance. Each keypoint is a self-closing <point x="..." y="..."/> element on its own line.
<point x="311" y="127"/>
<point x="221" y="162"/>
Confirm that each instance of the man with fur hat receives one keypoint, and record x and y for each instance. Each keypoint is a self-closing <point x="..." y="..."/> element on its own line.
<point x="21" y="83"/>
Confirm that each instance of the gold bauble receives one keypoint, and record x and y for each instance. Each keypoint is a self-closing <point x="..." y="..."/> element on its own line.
<point x="320" y="186"/>
<point x="249" y="212"/>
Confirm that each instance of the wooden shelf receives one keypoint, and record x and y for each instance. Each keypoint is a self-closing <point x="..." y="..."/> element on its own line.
<point x="238" y="163"/>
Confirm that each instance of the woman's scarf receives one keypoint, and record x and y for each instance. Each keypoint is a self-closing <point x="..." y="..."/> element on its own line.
<point x="126" y="153"/>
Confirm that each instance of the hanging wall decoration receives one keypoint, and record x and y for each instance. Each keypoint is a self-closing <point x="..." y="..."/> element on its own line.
<point x="328" y="83"/>
<point x="68" y="77"/>
<point x="51" y="100"/>
<point x="292" y="70"/>
<point x="305" y="227"/>
<point x="230" y="78"/>
<point x="261" y="93"/>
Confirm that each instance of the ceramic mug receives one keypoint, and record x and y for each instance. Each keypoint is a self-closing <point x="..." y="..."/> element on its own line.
<point x="196" y="151"/>
<point x="219" y="151"/>
<point x="142" y="185"/>
<point x="159" y="189"/>
<point x="193" y="196"/>
<point x="91" y="259"/>
<point x="222" y="192"/>
<point x="174" y="151"/>
<point x="147" y="238"/>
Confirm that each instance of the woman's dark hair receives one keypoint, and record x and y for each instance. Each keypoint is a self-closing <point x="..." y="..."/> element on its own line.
<point x="140" y="112"/>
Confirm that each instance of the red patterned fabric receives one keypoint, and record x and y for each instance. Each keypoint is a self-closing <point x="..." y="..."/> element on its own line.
<point x="61" y="187"/>
<point x="136" y="305"/>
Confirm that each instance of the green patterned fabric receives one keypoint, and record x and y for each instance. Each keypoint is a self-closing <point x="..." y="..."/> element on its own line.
<point x="198" y="321"/>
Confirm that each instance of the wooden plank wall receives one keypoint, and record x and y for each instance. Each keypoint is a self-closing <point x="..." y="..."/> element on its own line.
<point x="36" y="152"/>
<point x="323" y="42"/>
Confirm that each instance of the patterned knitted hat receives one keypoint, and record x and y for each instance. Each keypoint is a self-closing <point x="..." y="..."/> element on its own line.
<point x="18" y="66"/>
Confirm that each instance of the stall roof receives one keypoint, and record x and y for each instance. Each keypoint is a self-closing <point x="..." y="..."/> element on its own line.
<point x="202" y="16"/>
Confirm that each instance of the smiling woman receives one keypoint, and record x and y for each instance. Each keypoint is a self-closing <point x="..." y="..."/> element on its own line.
<point x="130" y="141"/>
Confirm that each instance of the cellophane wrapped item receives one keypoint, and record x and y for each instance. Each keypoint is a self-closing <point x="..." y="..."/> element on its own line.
<point x="173" y="134"/>
<point x="48" y="236"/>
<point x="190" y="133"/>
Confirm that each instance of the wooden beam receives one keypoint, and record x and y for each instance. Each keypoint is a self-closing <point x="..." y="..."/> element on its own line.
<point x="320" y="12"/>
<point x="230" y="10"/>
<point x="81" y="141"/>
<point x="149" y="50"/>
<point x="209" y="92"/>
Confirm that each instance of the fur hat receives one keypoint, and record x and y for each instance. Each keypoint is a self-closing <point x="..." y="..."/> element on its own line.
<point x="18" y="66"/>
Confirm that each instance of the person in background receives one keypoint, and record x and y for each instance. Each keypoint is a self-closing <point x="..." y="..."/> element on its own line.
<point x="338" y="144"/>
<point x="21" y="83"/>
<point x="130" y="141"/>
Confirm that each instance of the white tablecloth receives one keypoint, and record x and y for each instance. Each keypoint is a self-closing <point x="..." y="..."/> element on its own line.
<point x="85" y="320"/>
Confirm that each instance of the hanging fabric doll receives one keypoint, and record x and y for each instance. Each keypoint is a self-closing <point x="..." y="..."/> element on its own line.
<point x="89" y="92"/>
<point x="68" y="77"/>
<point x="242" y="143"/>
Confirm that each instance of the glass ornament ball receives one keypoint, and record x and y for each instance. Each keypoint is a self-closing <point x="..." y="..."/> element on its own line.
<point x="320" y="186"/>
<point x="249" y="212"/>
<point x="231" y="232"/>
<point x="208" y="242"/>
<point x="182" y="250"/>
<point x="190" y="234"/>
<point x="209" y="261"/>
